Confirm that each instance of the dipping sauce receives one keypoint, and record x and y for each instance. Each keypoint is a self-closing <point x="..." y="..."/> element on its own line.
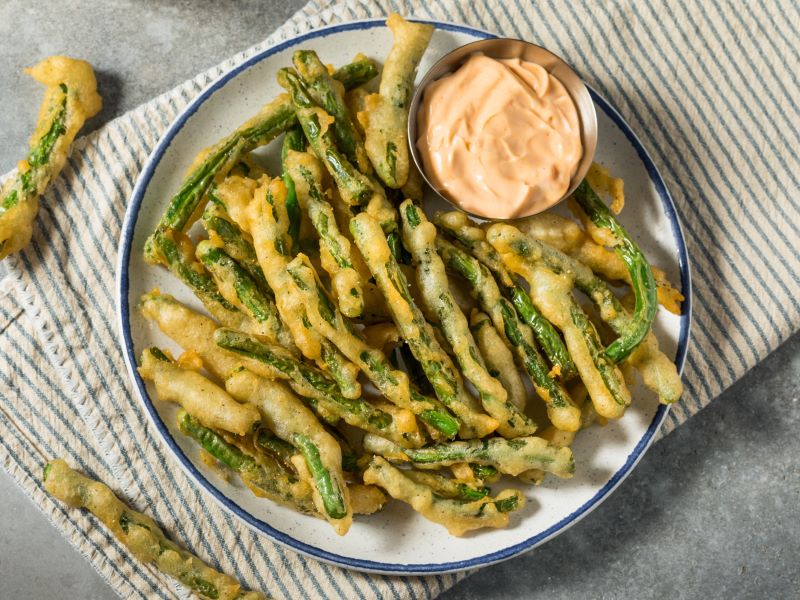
<point x="501" y="138"/>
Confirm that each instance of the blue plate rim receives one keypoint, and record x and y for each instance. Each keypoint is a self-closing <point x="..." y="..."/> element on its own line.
<point x="123" y="314"/>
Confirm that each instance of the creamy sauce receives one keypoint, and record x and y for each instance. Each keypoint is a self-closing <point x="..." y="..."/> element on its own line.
<point x="500" y="138"/>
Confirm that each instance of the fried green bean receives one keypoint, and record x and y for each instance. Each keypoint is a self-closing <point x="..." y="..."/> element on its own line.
<point x="356" y="73"/>
<point x="199" y="396"/>
<point x="226" y="234"/>
<point x="329" y="94"/>
<point x="70" y="99"/>
<point x="560" y="408"/>
<point x="354" y="187"/>
<point x="314" y="383"/>
<point x="290" y="419"/>
<point x="641" y="274"/>
<point x="552" y="294"/>
<point x="444" y="487"/>
<point x="419" y="236"/>
<point x="238" y="288"/>
<point x="268" y="225"/>
<point x="415" y="330"/>
<point x="386" y="116"/>
<point x="213" y="164"/>
<point x="458" y="227"/>
<point x="191" y="330"/>
<point x="140" y="534"/>
<point x="263" y="475"/>
<point x="392" y="383"/>
<point x="657" y="370"/>
<point x="272" y="120"/>
<point x="177" y="253"/>
<point x="335" y="251"/>
<point x="511" y="457"/>
<point x="458" y="517"/>
<point x="498" y="357"/>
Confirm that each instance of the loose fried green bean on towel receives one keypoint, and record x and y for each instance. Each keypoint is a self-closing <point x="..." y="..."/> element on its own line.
<point x="140" y="534"/>
<point x="70" y="98"/>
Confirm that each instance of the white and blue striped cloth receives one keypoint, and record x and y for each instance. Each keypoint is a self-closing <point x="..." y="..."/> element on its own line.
<point x="710" y="87"/>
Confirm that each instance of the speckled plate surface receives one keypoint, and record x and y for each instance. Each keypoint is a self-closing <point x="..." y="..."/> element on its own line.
<point x="397" y="540"/>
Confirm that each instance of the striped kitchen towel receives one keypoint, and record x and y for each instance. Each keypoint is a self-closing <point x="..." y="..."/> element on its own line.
<point x="709" y="87"/>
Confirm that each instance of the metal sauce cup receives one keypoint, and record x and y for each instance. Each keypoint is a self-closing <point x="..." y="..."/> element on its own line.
<point x="511" y="48"/>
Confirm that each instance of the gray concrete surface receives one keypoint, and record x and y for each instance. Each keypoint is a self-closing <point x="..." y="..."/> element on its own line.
<point x="710" y="512"/>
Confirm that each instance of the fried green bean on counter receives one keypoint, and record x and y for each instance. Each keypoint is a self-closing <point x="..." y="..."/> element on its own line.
<point x="70" y="99"/>
<point x="140" y="534"/>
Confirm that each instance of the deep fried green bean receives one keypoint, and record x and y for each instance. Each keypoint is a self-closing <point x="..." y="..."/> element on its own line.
<point x="314" y="383"/>
<point x="419" y="236"/>
<point x="392" y="383"/>
<point x="415" y="330"/>
<point x="458" y="227"/>
<point x="329" y="94"/>
<point x="354" y="187"/>
<point x="507" y="456"/>
<point x="560" y="408"/>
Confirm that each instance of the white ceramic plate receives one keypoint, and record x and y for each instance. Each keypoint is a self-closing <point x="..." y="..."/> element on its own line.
<point x="396" y="540"/>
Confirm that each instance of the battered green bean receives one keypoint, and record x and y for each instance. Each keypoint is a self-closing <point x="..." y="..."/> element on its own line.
<point x="419" y="236"/>
<point x="335" y="251"/>
<point x="641" y="274"/>
<point x="70" y="98"/>
<point x="386" y="118"/>
<point x="552" y="294"/>
<point x="458" y="517"/>
<point x="444" y="487"/>
<point x="458" y="227"/>
<point x="560" y="408"/>
<point x="194" y="331"/>
<point x="292" y="421"/>
<point x="268" y="224"/>
<point x="316" y="123"/>
<point x="392" y="383"/>
<point x="507" y="456"/>
<point x="498" y="357"/>
<point x="263" y="475"/>
<point x="329" y="94"/>
<point x="196" y="394"/>
<point x="657" y="370"/>
<point x="177" y="253"/>
<point x="316" y="384"/>
<point x="415" y="330"/>
<point x="140" y="534"/>
<point x="226" y="234"/>
<point x="236" y="286"/>
<point x="213" y="164"/>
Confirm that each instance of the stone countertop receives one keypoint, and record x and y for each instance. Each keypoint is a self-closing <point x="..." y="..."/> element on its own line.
<point x="711" y="511"/>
